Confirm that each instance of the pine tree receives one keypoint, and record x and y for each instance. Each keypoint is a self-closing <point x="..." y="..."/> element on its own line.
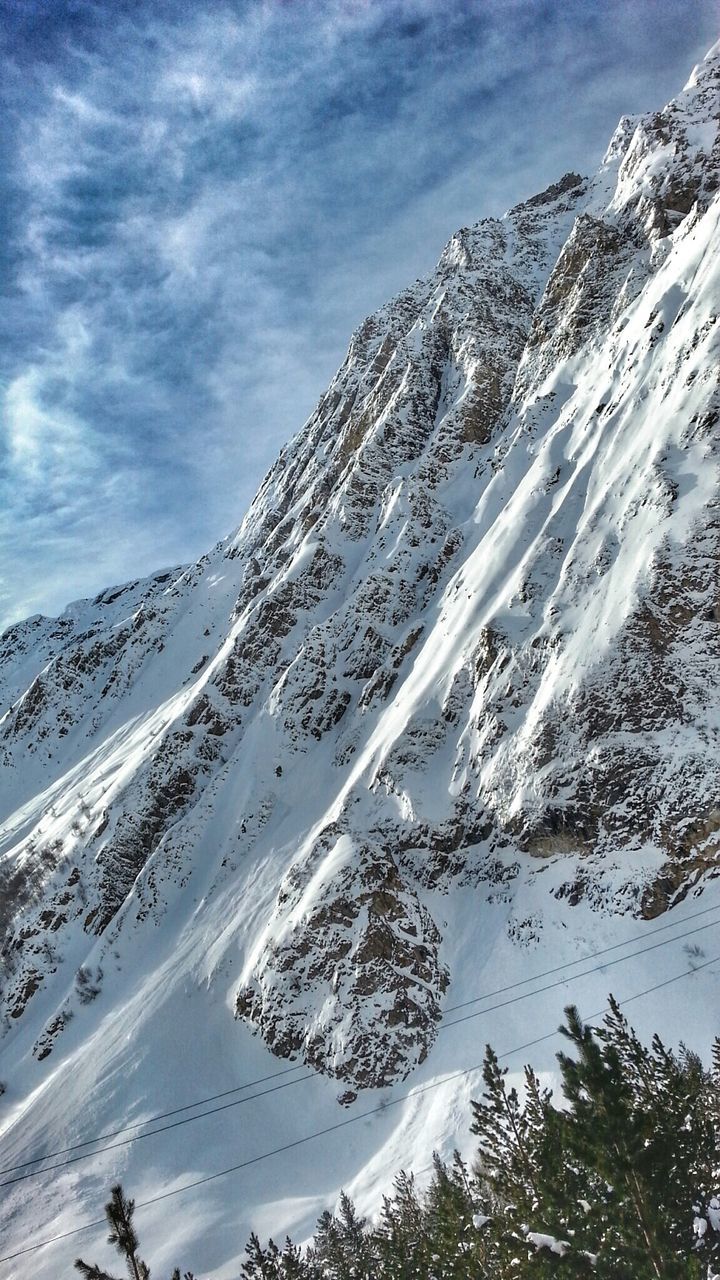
<point x="706" y="1203"/>
<point x="671" y="1092"/>
<point x="92" y="1271"/>
<point x="401" y="1239"/>
<point x="119" y="1213"/>
<point x="342" y="1248"/>
<point x="273" y="1263"/>
<point x="512" y="1165"/>
<point x="625" y="1104"/>
<point x="507" y="1132"/>
<point x="259" y="1263"/>
<point x="457" y="1246"/>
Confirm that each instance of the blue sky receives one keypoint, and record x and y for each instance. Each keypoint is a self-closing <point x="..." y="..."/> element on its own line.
<point x="200" y="202"/>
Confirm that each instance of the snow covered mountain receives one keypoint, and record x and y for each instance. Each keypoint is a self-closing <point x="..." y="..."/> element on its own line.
<point x="442" y="711"/>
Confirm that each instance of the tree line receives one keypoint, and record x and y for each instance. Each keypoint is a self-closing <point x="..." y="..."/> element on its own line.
<point x="617" y="1180"/>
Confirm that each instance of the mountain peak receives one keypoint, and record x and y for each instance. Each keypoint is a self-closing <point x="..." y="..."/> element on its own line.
<point x="708" y="69"/>
<point x="569" y="182"/>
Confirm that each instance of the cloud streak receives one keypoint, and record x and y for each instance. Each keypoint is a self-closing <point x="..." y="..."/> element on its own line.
<point x="200" y="206"/>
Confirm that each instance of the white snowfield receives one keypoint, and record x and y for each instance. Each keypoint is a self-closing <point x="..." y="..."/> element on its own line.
<point x="427" y="750"/>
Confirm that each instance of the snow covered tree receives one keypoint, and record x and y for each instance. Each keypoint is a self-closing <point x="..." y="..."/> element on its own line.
<point x="401" y="1236"/>
<point x="508" y="1135"/>
<point x="457" y="1248"/>
<point x="342" y="1249"/>
<point x="634" y="1121"/>
<point x="608" y="1183"/>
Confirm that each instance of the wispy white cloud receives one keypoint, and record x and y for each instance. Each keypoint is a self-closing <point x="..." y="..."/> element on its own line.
<point x="201" y="204"/>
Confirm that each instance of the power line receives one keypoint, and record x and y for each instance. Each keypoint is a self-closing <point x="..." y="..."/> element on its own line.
<point x="125" y="1142"/>
<point x="561" y="982"/>
<point x="140" y="1124"/>
<point x="342" y="1124"/>
<point x="592" y="955"/>
<point x="478" y="1013"/>
<point x="276" y="1075"/>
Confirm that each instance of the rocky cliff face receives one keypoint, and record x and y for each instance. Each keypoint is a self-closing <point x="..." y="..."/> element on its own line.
<point x="468" y="627"/>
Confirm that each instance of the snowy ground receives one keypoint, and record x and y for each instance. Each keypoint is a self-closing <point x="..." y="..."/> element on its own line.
<point x="163" y="1040"/>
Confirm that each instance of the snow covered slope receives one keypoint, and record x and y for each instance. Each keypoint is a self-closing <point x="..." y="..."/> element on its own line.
<point x="439" y="714"/>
